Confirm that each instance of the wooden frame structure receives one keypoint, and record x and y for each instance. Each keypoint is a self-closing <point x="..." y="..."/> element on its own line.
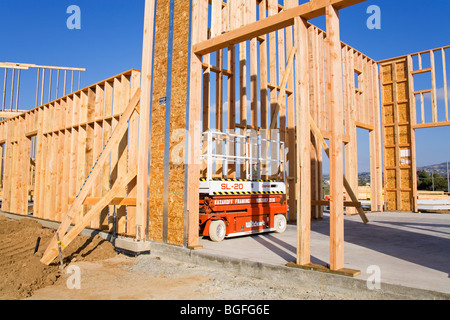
<point x="240" y="65"/>
<point x="69" y="135"/>
<point x="402" y="105"/>
<point x="258" y="62"/>
<point x="43" y="86"/>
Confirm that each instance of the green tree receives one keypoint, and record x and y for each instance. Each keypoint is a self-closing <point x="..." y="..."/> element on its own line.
<point x="440" y="184"/>
<point x="432" y="182"/>
<point x="424" y="181"/>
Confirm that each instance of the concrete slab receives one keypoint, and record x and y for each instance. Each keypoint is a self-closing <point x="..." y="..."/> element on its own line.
<point x="411" y="250"/>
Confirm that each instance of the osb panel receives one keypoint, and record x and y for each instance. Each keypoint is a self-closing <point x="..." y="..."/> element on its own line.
<point x="178" y="124"/>
<point x="390" y="157"/>
<point x="155" y="226"/>
<point x="389" y="137"/>
<point x="391" y="199"/>
<point x="158" y="122"/>
<point x="403" y="113"/>
<point x="405" y="181"/>
<point x="403" y="132"/>
<point x="391" y="182"/>
<point x="402" y="91"/>
<point x="389" y="114"/>
<point x="401" y="102"/>
<point x="406" y="197"/>
<point x="401" y="70"/>
<point x="178" y="95"/>
<point x="387" y="73"/>
<point x="388" y="93"/>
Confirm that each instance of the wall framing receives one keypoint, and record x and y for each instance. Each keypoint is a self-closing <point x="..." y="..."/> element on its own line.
<point x="400" y="113"/>
<point x="239" y="65"/>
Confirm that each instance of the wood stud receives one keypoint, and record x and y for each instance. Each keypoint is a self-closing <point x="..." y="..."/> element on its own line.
<point x="68" y="135"/>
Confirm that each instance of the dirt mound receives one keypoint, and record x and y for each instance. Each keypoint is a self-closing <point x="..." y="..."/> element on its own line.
<point x="21" y="272"/>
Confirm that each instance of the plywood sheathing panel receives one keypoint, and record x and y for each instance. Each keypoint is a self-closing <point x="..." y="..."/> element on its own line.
<point x="175" y="179"/>
<point x="178" y="124"/>
<point x="398" y="141"/>
<point x="157" y="145"/>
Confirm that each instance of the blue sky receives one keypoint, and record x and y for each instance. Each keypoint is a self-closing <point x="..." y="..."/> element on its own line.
<point x="110" y="42"/>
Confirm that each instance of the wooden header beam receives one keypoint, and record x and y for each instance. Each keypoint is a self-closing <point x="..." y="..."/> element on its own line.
<point x="25" y="66"/>
<point x="307" y="11"/>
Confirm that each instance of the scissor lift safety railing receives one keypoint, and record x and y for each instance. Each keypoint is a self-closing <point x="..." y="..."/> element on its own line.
<point x="250" y="150"/>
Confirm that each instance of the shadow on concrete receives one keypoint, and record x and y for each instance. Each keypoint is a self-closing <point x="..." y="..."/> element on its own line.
<point x="416" y="247"/>
<point x="273" y="243"/>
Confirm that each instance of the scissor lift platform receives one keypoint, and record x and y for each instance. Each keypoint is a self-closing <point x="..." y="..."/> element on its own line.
<point x="232" y="207"/>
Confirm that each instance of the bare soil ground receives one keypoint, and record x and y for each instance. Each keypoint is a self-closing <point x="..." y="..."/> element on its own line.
<point x="106" y="275"/>
<point x="155" y="278"/>
<point x="22" y="273"/>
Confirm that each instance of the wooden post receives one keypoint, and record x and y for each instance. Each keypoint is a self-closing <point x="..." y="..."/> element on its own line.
<point x="253" y="68"/>
<point x="39" y="164"/>
<point x="231" y="92"/>
<point x="198" y="20"/>
<point x="433" y="87"/>
<point x="334" y="94"/>
<point x="351" y="152"/>
<point x="377" y="131"/>
<point x="412" y="132"/>
<point x="444" y="75"/>
<point x="132" y="157"/>
<point x="144" y="123"/>
<point x="303" y="144"/>
<point x="263" y="70"/>
<point x="291" y="156"/>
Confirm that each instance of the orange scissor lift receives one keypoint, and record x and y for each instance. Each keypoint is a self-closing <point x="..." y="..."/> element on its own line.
<point x="231" y="207"/>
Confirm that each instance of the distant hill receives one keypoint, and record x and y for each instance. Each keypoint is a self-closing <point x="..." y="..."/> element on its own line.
<point x="441" y="169"/>
<point x="361" y="175"/>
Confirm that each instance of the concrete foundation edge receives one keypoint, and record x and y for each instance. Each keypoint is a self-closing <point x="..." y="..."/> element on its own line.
<point x="302" y="278"/>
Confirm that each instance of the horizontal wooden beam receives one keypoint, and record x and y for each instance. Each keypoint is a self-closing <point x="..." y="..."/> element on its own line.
<point x="431" y="125"/>
<point x="25" y="66"/>
<point x="284" y="19"/>
<point x="326" y="135"/>
<point x="9" y="114"/>
<point x="388" y="61"/>
<point x="118" y="201"/>
<point x="64" y="98"/>
<point x="422" y="91"/>
<point x="363" y="125"/>
<point x="317" y="267"/>
<point x="421" y="71"/>
<point x="327" y="203"/>
<point x="215" y="69"/>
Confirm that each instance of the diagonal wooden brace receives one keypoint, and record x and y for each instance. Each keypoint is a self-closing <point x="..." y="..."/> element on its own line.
<point x="113" y="141"/>
<point x="281" y="95"/>
<point x="347" y="186"/>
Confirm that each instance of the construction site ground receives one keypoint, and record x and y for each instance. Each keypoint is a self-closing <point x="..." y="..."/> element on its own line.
<point x="410" y="251"/>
